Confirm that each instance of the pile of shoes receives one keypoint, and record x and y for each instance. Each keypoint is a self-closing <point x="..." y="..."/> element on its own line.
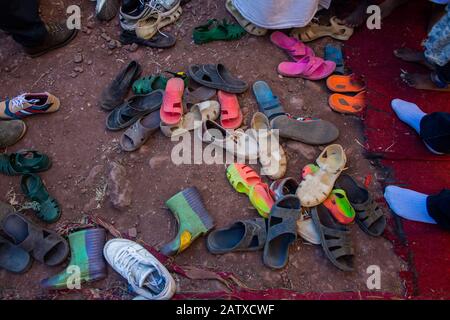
<point x="142" y="20"/>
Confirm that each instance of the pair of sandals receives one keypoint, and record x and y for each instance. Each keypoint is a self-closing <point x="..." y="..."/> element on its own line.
<point x="344" y="103"/>
<point x="305" y="65"/>
<point x="274" y="235"/>
<point x="27" y="163"/>
<point x="25" y="241"/>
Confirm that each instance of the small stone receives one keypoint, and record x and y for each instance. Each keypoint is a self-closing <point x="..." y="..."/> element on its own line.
<point x="90" y="25"/>
<point x="78" y="69"/>
<point x="105" y="37"/>
<point x="73" y="74"/>
<point x="112" y="44"/>
<point x="307" y="151"/>
<point x="133" y="47"/>
<point x="157" y="161"/>
<point x="297" y="102"/>
<point x="132" y="232"/>
<point x="78" y="58"/>
<point x="89" y="62"/>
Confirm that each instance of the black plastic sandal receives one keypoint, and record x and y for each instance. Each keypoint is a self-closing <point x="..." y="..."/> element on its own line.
<point x="243" y="235"/>
<point x="369" y="215"/>
<point x="335" y="238"/>
<point x="282" y="231"/>
<point x="216" y="76"/>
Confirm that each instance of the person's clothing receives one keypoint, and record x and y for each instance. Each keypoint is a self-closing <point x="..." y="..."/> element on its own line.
<point x="443" y="74"/>
<point x="435" y="131"/>
<point x="280" y="14"/>
<point x="437" y="45"/>
<point x="439" y="208"/>
<point x="21" y="19"/>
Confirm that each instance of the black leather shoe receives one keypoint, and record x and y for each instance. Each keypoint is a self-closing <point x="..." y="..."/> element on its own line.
<point x="114" y="94"/>
<point x="58" y="36"/>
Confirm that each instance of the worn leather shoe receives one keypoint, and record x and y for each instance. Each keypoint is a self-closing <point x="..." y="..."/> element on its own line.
<point x="58" y="36"/>
<point x="114" y="94"/>
<point x="11" y="132"/>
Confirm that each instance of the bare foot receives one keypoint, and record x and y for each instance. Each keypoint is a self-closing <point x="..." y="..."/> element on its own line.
<point x="411" y="55"/>
<point x="357" y="17"/>
<point x="421" y="81"/>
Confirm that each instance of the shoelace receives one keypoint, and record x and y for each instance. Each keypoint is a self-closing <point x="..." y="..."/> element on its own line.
<point x="18" y="101"/>
<point x="127" y="260"/>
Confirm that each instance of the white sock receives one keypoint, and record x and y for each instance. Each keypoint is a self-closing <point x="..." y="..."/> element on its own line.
<point x="408" y="204"/>
<point x="408" y="112"/>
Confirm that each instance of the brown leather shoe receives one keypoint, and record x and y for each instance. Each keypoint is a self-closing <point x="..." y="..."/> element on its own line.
<point x="58" y="36"/>
<point x="11" y="132"/>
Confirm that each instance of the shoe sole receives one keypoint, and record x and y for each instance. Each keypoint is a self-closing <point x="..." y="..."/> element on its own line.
<point x="59" y="45"/>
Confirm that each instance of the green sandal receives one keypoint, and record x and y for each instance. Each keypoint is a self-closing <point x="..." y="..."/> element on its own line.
<point x="34" y="189"/>
<point x="148" y="84"/>
<point x="22" y="162"/>
<point x="214" y="30"/>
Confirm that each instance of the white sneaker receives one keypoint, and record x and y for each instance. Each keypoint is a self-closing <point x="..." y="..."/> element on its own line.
<point x="146" y="275"/>
<point x="236" y="142"/>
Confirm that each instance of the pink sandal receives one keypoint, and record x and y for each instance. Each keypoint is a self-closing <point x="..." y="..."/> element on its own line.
<point x="293" y="47"/>
<point x="230" y="112"/>
<point x="311" y="68"/>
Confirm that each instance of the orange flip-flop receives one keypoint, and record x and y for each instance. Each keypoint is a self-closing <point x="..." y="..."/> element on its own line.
<point x="230" y="112"/>
<point x="172" y="109"/>
<point x="345" y="83"/>
<point x="347" y="104"/>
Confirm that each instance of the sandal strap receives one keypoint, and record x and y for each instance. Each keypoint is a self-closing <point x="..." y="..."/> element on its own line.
<point x="253" y="228"/>
<point x="272" y="107"/>
<point x="343" y="251"/>
<point x="288" y="224"/>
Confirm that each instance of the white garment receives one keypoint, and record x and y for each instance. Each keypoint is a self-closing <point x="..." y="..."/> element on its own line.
<point x="280" y="14"/>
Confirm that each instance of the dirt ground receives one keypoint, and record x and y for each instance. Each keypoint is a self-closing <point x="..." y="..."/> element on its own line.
<point x="82" y="150"/>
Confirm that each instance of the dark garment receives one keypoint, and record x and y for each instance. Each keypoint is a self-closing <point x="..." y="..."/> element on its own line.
<point x="21" y="19"/>
<point x="439" y="208"/>
<point x="435" y="131"/>
<point x="443" y="73"/>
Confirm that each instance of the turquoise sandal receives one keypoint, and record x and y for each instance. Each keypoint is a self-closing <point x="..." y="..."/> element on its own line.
<point x="25" y="161"/>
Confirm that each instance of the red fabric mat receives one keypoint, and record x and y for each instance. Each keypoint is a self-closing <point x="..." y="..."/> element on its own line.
<point x="370" y="53"/>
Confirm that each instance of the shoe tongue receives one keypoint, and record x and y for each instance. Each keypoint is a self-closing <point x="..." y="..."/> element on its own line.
<point x="148" y="276"/>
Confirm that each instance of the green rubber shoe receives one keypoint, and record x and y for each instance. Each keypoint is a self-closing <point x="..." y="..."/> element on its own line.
<point x="148" y="84"/>
<point x="214" y="30"/>
<point x="22" y="162"/>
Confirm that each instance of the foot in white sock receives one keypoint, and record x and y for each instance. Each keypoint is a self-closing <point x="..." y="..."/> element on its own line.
<point x="408" y="112"/>
<point x="408" y="204"/>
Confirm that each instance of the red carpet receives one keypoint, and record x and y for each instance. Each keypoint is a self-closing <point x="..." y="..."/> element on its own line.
<point x="369" y="53"/>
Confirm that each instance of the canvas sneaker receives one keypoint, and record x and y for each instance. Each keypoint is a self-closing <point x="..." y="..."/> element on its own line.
<point x="28" y="104"/>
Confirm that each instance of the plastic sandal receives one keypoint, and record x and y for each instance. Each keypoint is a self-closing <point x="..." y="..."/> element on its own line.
<point x="311" y="68"/>
<point x="281" y="231"/>
<point x="315" y="188"/>
<point x="347" y="104"/>
<point x="34" y="189"/>
<point x="369" y="215"/>
<point x="293" y="47"/>
<point x="230" y="112"/>
<point x="271" y="154"/>
<point x="339" y="206"/>
<point x="335" y="238"/>
<point x="268" y="103"/>
<point x="136" y="135"/>
<point x="216" y="76"/>
<point x="192" y="217"/>
<point x="243" y="235"/>
<point x="214" y="30"/>
<point x="197" y="95"/>
<point x="44" y="245"/>
<point x="25" y="161"/>
<point x="133" y="109"/>
<point x="283" y="187"/>
<point x="347" y="83"/>
<point x="13" y="258"/>
<point x="247" y="25"/>
<point x="334" y="53"/>
<point x="148" y="27"/>
<point x="146" y="85"/>
<point x="200" y="112"/>
<point x="172" y="107"/>
<point x="245" y="180"/>
<point x="315" y="31"/>
<point x="306" y="228"/>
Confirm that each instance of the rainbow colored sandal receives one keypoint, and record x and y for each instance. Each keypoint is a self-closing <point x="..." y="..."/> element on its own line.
<point x="192" y="217"/>
<point x="245" y="180"/>
<point x="339" y="206"/>
<point x="86" y="250"/>
<point x="337" y="202"/>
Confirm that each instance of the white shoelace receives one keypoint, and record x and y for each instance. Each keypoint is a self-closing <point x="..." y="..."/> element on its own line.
<point x="18" y="101"/>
